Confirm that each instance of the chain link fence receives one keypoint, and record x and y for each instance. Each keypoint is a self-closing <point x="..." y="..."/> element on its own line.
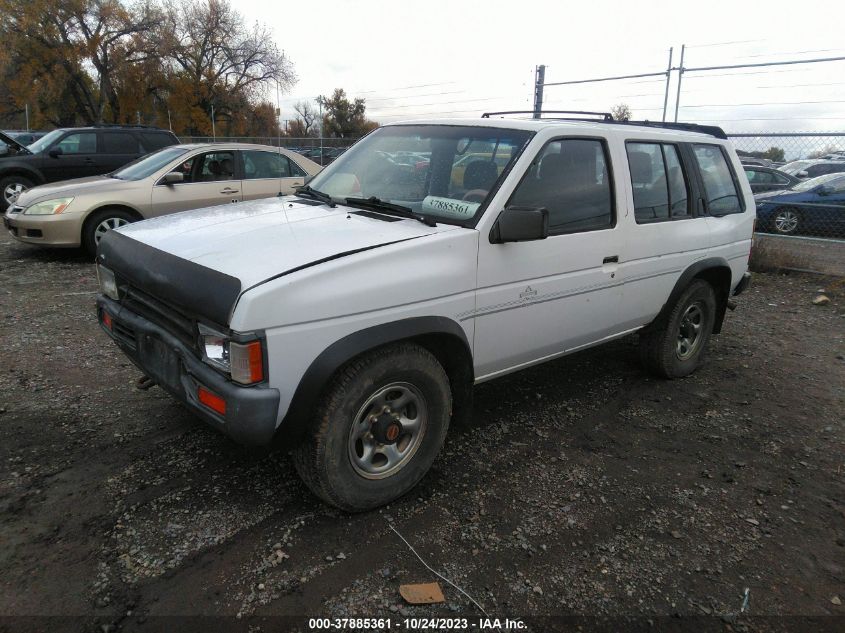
<point x="799" y="184"/>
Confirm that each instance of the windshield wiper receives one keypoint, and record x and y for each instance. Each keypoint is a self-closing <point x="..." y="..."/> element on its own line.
<point x="377" y="204"/>
<point x="309" y="192"/>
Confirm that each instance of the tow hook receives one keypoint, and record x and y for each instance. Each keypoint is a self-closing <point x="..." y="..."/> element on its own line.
<point x="144" y="383"/>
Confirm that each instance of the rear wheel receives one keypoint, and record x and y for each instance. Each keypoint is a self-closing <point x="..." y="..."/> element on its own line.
<point x="786" y="221"/>
<point x="674" y="346"/>
<point x="377" y="429"/>
<point x="100" y="223"/>
<point x="12" y="187"/>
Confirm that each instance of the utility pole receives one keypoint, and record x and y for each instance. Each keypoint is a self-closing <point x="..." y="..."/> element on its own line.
<point x="26" y="108"/>
<point x="169" y="122"/>
<point x="320" y="103"/>
<point x="680" y="77"/>
<point x="213" y="127"/>
<point x="539" y="81"/>
<point x="668" y="79"/>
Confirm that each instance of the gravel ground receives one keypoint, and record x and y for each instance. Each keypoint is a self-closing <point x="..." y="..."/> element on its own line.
<point x="580" y="487"/>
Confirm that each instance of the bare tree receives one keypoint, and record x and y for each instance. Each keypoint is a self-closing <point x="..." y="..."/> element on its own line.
<point x="621" y="112"/>
<point x="307" y="116"/>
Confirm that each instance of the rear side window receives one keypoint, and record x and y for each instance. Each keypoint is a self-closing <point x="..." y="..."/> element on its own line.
<point x="657" y="178"/>
<point x="719" y="186"/>
<point x="269" y="165"/>
<point x="119" y="143"/>
<point x="156" y="140"/>
<point x="571" y="179"/>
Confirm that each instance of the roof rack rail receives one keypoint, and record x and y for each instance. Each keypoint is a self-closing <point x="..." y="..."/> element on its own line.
<point x="133" y="125"/>
<point x="607" y="116"/>
<point x="711" y="130"/>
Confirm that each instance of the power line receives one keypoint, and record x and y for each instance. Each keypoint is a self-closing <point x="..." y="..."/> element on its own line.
<point x="740" y="105"/>
<point x="723" y="43"/>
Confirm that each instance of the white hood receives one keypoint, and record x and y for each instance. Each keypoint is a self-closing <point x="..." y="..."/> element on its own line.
<point x="255" y="241"/>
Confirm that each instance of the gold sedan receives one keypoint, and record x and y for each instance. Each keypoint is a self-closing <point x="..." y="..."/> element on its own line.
<point x="79" y="212"/>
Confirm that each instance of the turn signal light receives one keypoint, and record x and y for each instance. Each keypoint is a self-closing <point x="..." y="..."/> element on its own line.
<point x="211" y="400"/>
<point x="246" y="362"/>
<point x="107" y="319"/>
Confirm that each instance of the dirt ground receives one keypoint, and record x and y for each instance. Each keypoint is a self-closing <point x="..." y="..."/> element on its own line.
<point x="581" y="487"/>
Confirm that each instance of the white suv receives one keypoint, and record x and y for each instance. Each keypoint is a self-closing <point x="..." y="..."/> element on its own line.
<point x="354" y="318"/>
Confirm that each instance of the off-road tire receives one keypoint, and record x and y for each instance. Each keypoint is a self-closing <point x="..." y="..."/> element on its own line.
<point x="659" y="341"/>
<point x="322" y="459"/>
<point x="89" y="228"/>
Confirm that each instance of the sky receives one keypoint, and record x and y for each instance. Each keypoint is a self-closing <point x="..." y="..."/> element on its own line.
<point x="438" y="58"/>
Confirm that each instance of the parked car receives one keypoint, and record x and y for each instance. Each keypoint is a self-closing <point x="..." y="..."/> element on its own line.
<point x="176" y="178"/>
<point x="353" y="318"/>
<point x="25" y="137"/>
<point x="812" y="206"/>
<point x="804" y="169"/>
<point x="768" y="178"/>
<point x="750" y="160"/>
<point x="75" y="153"/>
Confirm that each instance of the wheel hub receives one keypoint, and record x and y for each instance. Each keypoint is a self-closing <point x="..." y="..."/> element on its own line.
<point x="386" y="427"/>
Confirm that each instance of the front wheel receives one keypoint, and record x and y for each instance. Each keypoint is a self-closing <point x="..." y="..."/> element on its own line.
<point x="378" y="428"/>
<point x="100" y="223"/>
<point x="12" y="187"/>
<point x="786" y="221"/>
<point x="674" y="346"/>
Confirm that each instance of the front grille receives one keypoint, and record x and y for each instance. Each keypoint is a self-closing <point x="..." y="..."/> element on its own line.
<point x="124" y="333"/>
<point x="161" y="314"/>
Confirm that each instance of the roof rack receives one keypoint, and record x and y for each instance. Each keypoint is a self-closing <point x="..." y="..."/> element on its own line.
<point x="132" y="125"/>
<point x="711" y="130"/>
<point x="607" y="116"/>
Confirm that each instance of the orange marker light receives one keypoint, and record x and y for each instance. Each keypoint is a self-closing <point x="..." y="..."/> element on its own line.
<point x="107" y="319"/>
<point x="247" y="362"/>
<point x="211" y="400"/>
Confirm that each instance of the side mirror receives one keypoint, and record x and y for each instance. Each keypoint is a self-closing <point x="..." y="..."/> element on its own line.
<point x="55" y="152"/>
<point x="520" y="224"/>
<point x="801" y="174"/>
<point x="173" y="178"/>
<point x="824" y="190"/>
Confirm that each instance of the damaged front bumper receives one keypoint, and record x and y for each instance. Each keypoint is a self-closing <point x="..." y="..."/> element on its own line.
<point x="249" y="415"/>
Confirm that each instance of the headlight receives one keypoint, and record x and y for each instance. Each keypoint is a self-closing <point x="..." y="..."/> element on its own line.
<point x="243" y="362"/>
<point x="108" y="284"/>
<point x="49" y="207"/>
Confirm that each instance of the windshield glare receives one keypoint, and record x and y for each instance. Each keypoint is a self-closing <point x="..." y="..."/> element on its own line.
<point x="45" y="141"/>
<point x="446" y="172"/>
<point x="149" y="164"/>
<point x="812" y="183"/>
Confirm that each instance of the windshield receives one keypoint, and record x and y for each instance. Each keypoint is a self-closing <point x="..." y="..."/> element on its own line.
<point x="445" y="172"/>
<point x="45" y="141"/>
<point x="812" y="183"/>
<point x="149" y="164"/>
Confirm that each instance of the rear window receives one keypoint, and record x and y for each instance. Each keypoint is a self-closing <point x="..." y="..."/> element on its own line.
<point x="720" y="188"/>
<point x="658" y="182"/>
<point x="119" y="143"/>
<point x="156" y="140"/>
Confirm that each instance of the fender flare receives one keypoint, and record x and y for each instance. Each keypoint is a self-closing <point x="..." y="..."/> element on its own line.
<point x="23" y="169"/>
<point x="711" y="269"/>
<point x="322" y="368"/>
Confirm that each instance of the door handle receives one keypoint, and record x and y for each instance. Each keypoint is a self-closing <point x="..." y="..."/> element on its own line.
<point x="227" y="190"/>
<point x="611" y="259"/>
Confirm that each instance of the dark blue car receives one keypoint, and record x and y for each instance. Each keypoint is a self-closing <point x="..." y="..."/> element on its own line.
<point x="812" y="207"/>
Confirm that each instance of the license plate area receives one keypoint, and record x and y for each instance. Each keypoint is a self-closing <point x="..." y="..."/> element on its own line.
<point x="161" y="362"/>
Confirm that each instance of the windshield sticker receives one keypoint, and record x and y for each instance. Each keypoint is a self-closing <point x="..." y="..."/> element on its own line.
<point x="449" y="207"/>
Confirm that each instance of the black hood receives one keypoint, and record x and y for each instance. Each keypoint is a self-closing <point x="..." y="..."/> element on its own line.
<point x="8" y="140"/>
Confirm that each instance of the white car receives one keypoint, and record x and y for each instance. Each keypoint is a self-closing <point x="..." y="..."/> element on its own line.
<point x="354" y="318"/>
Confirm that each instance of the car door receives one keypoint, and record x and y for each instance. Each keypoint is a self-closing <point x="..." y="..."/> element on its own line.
<point x="541" y="298"/>
<point x="73" y="156"/>
<point x="831" y="223"/>
<point x="268" y="173"/>
<point x="208" y="180"/>
<point x="116" y="148"/>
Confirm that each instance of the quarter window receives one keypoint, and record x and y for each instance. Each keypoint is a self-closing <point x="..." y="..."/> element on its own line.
<point x="658" y="183"/>
<point x="719" y="187"/>
<point x="119" y="143"/>
<point x="571" y="179"/>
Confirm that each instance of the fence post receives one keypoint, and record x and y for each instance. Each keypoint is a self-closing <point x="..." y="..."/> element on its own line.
<point x="680" y="77"/>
